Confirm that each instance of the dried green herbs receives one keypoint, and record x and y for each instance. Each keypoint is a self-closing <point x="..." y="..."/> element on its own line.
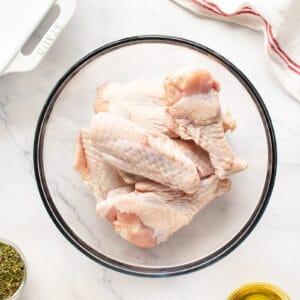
<point x="12" y="271"/>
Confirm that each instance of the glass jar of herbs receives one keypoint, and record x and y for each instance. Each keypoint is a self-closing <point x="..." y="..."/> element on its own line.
<point x="12" y="271"/>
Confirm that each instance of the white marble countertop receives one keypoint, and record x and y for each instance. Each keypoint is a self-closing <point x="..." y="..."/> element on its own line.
<point x="59" y="271"/>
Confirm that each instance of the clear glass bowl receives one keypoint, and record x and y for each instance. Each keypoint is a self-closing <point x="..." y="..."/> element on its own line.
<point x="218" y="228"/>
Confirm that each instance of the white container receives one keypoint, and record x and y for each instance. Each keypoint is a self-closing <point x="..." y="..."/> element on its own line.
<point x="18" y="20"/>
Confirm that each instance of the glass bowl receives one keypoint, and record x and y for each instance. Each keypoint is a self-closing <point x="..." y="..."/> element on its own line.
<point x="220" y="226"/>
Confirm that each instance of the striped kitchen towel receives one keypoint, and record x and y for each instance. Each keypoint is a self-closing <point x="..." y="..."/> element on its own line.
<point x="279" y="20"/>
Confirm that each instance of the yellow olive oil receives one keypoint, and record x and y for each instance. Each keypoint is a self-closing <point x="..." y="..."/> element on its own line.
<point x="258" y="291"/>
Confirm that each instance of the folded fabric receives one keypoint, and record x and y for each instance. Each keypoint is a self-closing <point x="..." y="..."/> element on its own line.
<point x="280" y="22"/>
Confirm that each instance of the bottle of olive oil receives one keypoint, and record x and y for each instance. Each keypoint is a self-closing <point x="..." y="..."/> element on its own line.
<point x="258" y="291"/>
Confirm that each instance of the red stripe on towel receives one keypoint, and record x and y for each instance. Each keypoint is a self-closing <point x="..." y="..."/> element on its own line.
<point x="273" y="43"/>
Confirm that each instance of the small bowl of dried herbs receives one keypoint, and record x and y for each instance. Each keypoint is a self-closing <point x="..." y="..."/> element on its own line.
<point x="12" y="271"/>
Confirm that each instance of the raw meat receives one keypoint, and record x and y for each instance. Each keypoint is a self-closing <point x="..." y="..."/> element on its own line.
<point x="132" y="149"/>
<point x="140" y="101"/>
<point x="99" y="176"/>
<point x="130" y="178"/>
<point x="156" y="153"/>
<point x="196" y="112"/>
<point x="143" y="102"/>
<point x="229" y="123"/>
<point x="152" y="213"/>
<point x="197" y="155"/>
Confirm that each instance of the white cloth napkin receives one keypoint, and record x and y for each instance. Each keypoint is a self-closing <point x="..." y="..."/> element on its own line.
<point x="279" y="20"/>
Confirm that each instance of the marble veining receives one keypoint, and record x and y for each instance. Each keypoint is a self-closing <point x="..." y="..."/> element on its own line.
<point x="70" y="206"/>
<point x="106" y="280"/>
<point x="56" y="269"/>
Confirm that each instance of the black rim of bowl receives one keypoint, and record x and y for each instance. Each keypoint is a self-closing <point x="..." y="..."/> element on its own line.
<point x="103" y="259"/>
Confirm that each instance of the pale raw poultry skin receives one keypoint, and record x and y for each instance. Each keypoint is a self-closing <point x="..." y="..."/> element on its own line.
<point x="193" y="112"/>
<point x="197" y="155"/>
<point x="196" y="112"/>
<point x="140" y="101"/>
<point x="156" y="153"/>
<point x="144" y="103"/>
<point x="98" y="175"/>
<point x="132" y="149"/>
<point x="151" y="213"/>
